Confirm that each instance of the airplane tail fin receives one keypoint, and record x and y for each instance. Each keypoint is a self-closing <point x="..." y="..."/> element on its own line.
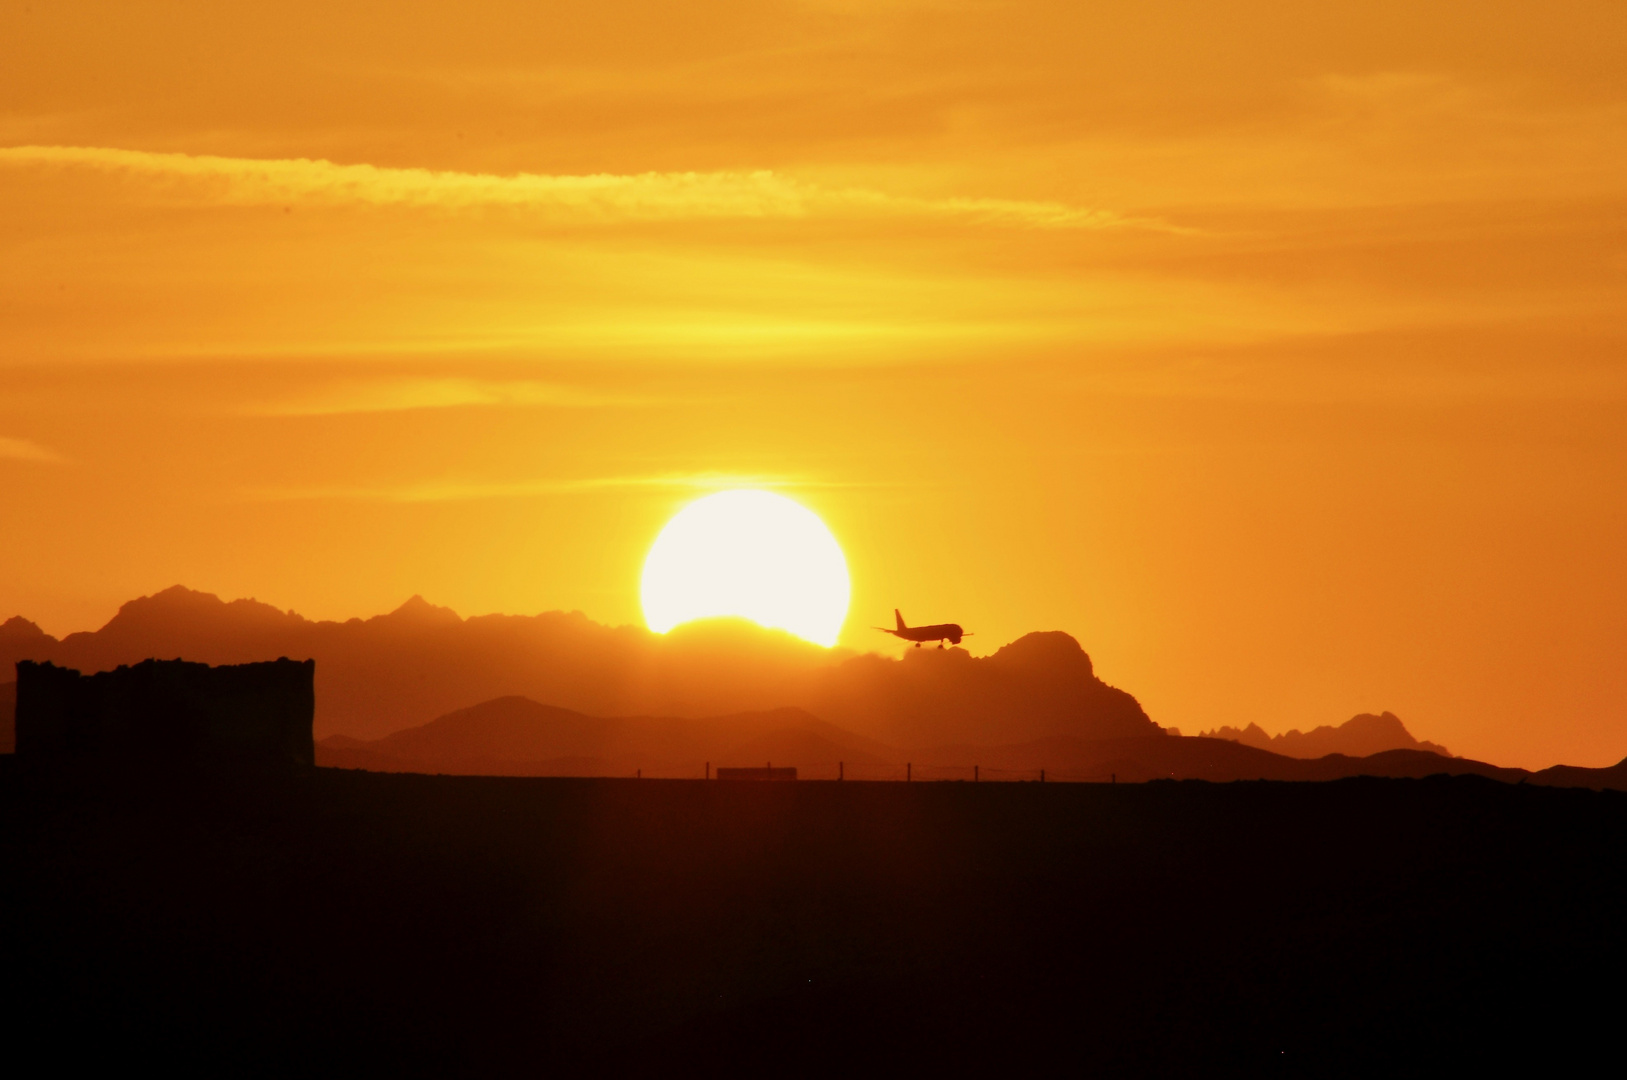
<point x="900" y="619"/>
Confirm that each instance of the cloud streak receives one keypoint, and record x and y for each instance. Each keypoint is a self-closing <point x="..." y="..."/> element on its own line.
<point x="430" y="491"/>
<point x="400" y="395"/>
<point x="23" y="450"/>
<point x="600" y="197"/>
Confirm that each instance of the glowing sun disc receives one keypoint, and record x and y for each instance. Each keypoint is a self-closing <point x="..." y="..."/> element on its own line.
<point x="752" y="554"/>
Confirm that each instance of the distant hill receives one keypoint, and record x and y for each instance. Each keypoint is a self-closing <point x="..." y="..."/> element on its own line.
<point x="420" y="662"/>
<point x="1612" y="778"/>
<point x="513" y="736"/>
<point x="1220" y="760"/>
<point x="1357" y="737"/>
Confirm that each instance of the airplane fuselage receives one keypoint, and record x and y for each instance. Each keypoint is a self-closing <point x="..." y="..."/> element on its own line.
<point x="948" y="631"/>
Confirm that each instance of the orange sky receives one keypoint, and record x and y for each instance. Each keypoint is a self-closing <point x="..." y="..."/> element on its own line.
<point x="1274" y="350"/>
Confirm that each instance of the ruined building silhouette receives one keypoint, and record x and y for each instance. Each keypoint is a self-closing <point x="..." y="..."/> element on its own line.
<point x="169" y="710"/>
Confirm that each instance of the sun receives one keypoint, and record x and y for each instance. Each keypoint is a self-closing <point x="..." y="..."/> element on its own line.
<point x="752" y="554"/>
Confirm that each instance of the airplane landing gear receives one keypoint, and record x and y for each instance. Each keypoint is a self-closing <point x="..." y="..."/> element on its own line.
<point x="917" y="644"/>
<point x="940" y="646"/>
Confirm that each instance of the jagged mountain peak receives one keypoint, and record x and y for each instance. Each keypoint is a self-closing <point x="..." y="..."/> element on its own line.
<point x="180" y="601"/>
<point x="1360" y="736"/>
<point x="19" y="629"/>
<point x="418" y="610"/>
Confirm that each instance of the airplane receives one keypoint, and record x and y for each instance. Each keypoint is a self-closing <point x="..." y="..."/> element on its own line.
<point x="939" y="632"/>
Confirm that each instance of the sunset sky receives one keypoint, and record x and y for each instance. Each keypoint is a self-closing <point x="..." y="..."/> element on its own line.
<point x="1273" y="350"/>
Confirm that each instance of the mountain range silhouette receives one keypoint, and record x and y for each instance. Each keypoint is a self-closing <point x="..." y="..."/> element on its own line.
<point x="1357" y="737"/>
<point x="423" y="690"/>
<point x="419" y="662"/>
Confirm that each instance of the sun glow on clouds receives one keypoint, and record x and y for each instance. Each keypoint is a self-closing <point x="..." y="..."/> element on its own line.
<point x="751" y="554"/>
<point x="651" y="196"/>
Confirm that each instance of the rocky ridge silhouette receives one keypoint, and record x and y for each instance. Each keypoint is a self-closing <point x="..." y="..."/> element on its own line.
<point x="1359" y="736"/>
<point x="420" y="662"/>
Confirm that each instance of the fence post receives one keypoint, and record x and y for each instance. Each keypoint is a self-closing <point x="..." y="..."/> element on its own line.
<point x="908" y="768"/>
<point x="1042" y="776"/>
<point x="638" y="774"/>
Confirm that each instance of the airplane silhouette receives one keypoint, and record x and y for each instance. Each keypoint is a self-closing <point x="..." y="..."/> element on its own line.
<point x="939" y="632"/>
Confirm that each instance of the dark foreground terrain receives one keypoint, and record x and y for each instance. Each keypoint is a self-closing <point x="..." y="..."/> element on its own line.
<point x="345" y="920"/>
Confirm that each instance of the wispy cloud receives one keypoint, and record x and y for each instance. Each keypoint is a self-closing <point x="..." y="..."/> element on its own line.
<point x="23" y="450"/>
<point x="596" y="197"/>
<point x="464" y="491"/>
<point x="398" y="395"/>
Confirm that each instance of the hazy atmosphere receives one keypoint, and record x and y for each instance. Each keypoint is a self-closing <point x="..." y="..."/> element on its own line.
<point x="1272" y="351"/>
